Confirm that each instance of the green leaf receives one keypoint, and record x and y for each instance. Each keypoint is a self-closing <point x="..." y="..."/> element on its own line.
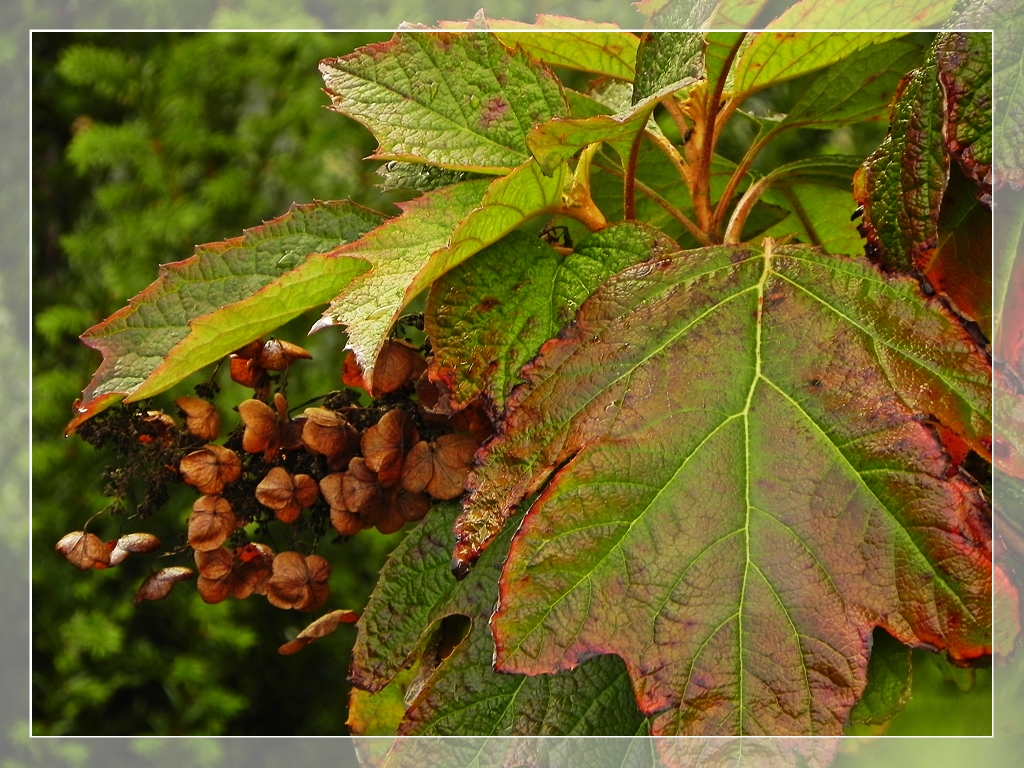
<point x="457" y="100"/>
<point x="463" y="695"/>
<point x="489" y="316"/>
<point x="876" y="14"/>
<point x="701" y="14"/>
<point x="964" y="62"/>
<point x="901" y="184"/>
<point x="820" y="215"/>
<point x="857" y="88"/>
<point x="772" y="58"/>
<point x="665" y="58"/>
<point x="148" y="345"/>
<point x="889" y="675"/>
<point x="434" y="233"/>
<point x="738" y="484"/>
<point x="720" y="49"/>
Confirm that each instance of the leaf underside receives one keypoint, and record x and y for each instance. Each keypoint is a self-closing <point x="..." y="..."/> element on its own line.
<point x="143" y="341"/>
<point x="743" y="478"/>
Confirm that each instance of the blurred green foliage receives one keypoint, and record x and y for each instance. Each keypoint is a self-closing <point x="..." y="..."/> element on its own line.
<point x="144" y="145"/>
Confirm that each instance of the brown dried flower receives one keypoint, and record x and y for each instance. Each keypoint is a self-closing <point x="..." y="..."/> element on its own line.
<point x="211" y="468"/>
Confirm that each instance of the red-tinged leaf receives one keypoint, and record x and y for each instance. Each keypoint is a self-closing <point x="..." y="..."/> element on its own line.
<point x="435" y="233"/>
<point x="740" y="485"/>
<point x="456" y="100"/>
<point x="964" y="62"/>
<point x="599" y="48"/>
<point x="488" y="317"/>
<point x="753" y="751"/>
<point x="158" y="585"/>
<point x="901" y="184"/>
<point x="322" y="627"/>
<point x="158" y="339"/>
<point x="875" y="14"/>
<point x="409" y="618"/>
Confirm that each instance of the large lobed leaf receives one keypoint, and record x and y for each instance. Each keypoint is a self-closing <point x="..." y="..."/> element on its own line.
<point x="435" y="233"/>
<point x="462" y="694"/>
<point x="457" y="100"/>
<point x="743" y="477"/>
<point x="189" y="316"/>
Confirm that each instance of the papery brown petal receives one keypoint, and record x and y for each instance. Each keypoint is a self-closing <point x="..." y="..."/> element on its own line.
<point x="453" y="457"/>
<point x="202" y="419"/>
<point x="346" y="523"/>
<point x="306" y="490"/>
<point x="276" y="490"/>
<point x="215" y="564"/>
<point x="245" y="372"/>
<point x="316" y="595"/>
<point x="290" y="434"/>
<point x="85" y="550"/>
<point x="210" y="523"/>
<point x="359" y="485"/>
<point x="213" y="590"/>
<point x="159" y="584"/>
<point x="132" y="543"/>
<point x="277" y="355"/>
<point x="412" y="506"/>
<point x="398" y="365"/>
<point x="474" y="420"/>
<point x="390" y="519"/>
<point x="211" y="468"/>
<point x="261" y="426"/>
<point x="323" y="626"/>
<point x="319" y="568"/>
<point x="418" y="467"/>
<point x="327" y="432"/>
<point x="253" y="567"/>
<point x="289" y="513"/>
<point x="250" y="350"/>
<point x="386" y="443"/>
<point x="351" y="373"/>
<point x="331" y="488"/>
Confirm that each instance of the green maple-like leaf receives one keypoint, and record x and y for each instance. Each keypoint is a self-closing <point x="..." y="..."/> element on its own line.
<point x="435" y="232"/>
<point x="464" y="695"/>
<point x="489" y="316"/>
<point x="457" y="100"/>
<point x="875" y="14"/>
<point x="227" y="294"/>
<point x="770" y="58"/>
<point x="740" y="478"/>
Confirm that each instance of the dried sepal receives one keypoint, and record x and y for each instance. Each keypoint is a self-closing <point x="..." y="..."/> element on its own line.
<point x="323" y="626"/>
<point x="360" y="486"/>
<point x="298" y="582"/>
<point x="201" y="417"/>
<point x="418" y="467"/>
<point x="398" y="365"/>
<point x="286" y="495"/>
<point x="277" y="355"/>
<point x="211" y="468"/>
<point x="155" y="426"/>
<point x="210" y="523"/>
<point x="261" y="427"/>
<point x="133" y="543"/>
<point x="158" y="585"/>
<point x="85" y="550"/>
<point x="351" y="373"/>
<point x="238" y="573"/>
<point x="386" y="443"/>
<point x="245" y="372"/>
<point x="344" y="521"/>
<point x="329" y="434"/>
<point x="452" y="456"/>
<point x="410" y="506"/>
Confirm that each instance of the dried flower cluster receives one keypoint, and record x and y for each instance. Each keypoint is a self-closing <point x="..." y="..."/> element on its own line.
<point x="337" y="464"/>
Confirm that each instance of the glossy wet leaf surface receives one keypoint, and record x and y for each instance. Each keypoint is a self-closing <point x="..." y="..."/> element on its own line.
<point x="742" y="479"/>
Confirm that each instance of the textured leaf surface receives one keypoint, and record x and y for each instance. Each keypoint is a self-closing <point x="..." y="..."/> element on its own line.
<point x="435" y="233"/>
<point x="745" y="483"/>
<point x="964" y="62"/>
<point x="901" y="184"/>
<point x="774" y="57"/>
<point x="700" y="14"/>
<point x="874" y="14"/>
<point x="665" y="58"/>
<point x="489" y="316"/>
<point x="464" y="695"/>
<point x="458" y="100"/>
<point x="140" y="343"/>
<point x="889" y="676"/>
